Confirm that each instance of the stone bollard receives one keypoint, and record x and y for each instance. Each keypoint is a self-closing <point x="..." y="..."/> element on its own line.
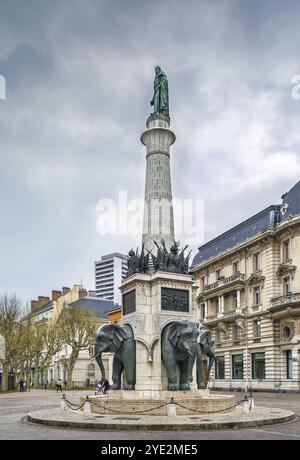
<point x="172" y="408"/>
<point x="63" y="404"/>
<point x="245" y="406"/>
<point x="251" y="402"/>
<point x="87" y="408"/>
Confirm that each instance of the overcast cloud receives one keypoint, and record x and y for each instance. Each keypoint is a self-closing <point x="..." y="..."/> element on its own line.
<point x="79" y="80"/>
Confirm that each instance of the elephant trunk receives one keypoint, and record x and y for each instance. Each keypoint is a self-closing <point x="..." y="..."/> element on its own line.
<point x="98" y="358"/>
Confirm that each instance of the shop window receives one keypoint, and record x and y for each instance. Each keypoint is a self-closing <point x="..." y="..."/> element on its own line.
<point x="237" y="367"/>
<point x="220" y="368"/>
<point x="258" y="366"/>
<point x="289" y="364"/>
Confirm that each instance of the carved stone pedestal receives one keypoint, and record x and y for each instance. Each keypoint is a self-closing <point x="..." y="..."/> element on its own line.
<point x="150" y="302"/>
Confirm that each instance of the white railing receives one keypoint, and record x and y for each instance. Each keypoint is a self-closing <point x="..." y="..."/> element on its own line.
<point x="286" y="300"/>
<point x="225" y="281"/>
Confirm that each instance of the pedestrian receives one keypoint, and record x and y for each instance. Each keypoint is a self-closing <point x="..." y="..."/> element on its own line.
<point x="21" y="384"/>
<point x="65" y="384"/>
<point x="58" y="385"/>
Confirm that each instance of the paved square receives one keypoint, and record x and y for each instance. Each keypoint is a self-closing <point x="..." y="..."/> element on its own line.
<point x="15" y="406"/>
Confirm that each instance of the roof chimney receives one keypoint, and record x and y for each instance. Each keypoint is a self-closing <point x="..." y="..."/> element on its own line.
<point x="65" y="290"/>
<point x="82" y="293"/>
<point x="34" y="305"/>
<point x="56" y="295"/>
<point x="42" y="300"/>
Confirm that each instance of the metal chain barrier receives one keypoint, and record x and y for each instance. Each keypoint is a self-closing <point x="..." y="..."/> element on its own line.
<point x="76" y="407"/>
<point x="210" y="412"/>
<point x="131" y="413"/>
<point x="72" y="405"/>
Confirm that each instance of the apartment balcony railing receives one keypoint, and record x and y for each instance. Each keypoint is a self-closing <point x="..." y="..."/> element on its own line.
<point x="286" y="300"/>
<point x="224" y="282"/>
<point x="225" y="316"/>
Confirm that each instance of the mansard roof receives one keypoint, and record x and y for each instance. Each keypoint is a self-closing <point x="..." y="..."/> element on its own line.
<point x="269" y="218"/>
<point x="101" y="307"/>
<point x="292" y="203"/>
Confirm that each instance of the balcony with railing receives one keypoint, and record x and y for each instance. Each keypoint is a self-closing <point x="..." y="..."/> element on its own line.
<point x="283" y="305"/>
<point x="231" y="281"/>
<point x="226" y="316"/>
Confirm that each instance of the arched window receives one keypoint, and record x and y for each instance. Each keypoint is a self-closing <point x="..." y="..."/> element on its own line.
<point x="91" y="372"/>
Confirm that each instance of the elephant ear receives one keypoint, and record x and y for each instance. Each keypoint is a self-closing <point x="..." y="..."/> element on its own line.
<point x="204" y="338"/>
<point x="175" y="332"/>
<point x="119" y="335"/>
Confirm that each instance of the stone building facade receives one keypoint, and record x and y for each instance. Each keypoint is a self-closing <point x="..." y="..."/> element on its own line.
<point x="44" y="309"/>
<point x="248" y="293"/>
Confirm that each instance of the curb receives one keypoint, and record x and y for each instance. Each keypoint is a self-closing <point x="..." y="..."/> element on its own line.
<point x="105" y="426"/>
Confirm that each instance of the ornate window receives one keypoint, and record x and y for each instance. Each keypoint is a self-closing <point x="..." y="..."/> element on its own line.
<point x="286" y="285"/>
<point x="235" y="268"/>
<point x="286" y="251"/>
<point x="257" y="295"/>
<point x="256" y="262"/>
<point x="286" y="333"/>
<point x="257" y="328"/>
<point x="237" y="332"/>
<point x="202" y="283"/>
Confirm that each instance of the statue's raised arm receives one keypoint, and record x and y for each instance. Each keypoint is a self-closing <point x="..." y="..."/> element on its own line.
<point x="160" y="100"/>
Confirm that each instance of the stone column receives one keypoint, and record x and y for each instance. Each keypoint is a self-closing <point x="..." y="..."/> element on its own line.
<point x="238" y="300"/>
<point x="221" y="305"/>
<point x="158" y="214"/>
<point x="206" y="310"/>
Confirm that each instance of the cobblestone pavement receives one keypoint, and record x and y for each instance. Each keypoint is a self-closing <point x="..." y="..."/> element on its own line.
<point x="15" y="406"/>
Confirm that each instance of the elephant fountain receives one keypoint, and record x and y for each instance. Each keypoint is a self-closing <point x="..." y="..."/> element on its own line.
<point x="206" y="347"/>
<point x="179" y="346"/>
<point x="117" y="339"/>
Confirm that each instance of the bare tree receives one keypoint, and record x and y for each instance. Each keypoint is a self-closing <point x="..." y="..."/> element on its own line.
<point x="52" y="343"/>
<point x="10" y="313"/>
<point x="78" y="329"/>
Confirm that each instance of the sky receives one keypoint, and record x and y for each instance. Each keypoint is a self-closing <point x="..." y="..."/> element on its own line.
<point x="79" y="78"/>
